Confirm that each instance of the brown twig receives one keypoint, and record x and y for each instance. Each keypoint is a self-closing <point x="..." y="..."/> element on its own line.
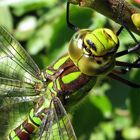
<point x="119" y="11"/>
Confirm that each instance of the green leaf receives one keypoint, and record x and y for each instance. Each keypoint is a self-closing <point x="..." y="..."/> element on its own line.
<point x="100" y="100"/>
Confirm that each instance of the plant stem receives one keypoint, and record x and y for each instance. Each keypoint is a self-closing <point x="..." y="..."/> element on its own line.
<point x="119" y="11"/>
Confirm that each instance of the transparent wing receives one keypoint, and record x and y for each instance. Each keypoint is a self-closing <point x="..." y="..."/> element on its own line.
<point x="19" y="75"/>
<point x="13" y="115"/>
<point x="15" y="63"/>
<point x="14" y="91"/>
<point x="11" y="87"/>
<point x="58" y="125"/>
<point x="62" y="128"/>
<point x="45" y="130"/>
<point x="16" y="101"/>
<point x="8" y="102"/>
<point x="20" y="83"/>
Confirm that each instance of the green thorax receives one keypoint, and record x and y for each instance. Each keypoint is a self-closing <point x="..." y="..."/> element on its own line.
<point x="66" y="80"/>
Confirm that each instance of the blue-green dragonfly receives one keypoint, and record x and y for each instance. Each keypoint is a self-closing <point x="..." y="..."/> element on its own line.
<point x="25" y="88"/>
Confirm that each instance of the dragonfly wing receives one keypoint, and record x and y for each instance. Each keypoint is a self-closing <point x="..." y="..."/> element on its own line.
<point x="16" y="90"/>
<point x="13" y="115"/>
<point x="20" y="83"/>
<point x="56" y="125"/>
<point x="61" y="128"/>
<point x="19" y="75"/>
<point x="11" y="87"/>
<point x="16" y="100"/>
<point x="44" y="131"/>
<point x="15" y="63"/>
<point x="10" y="101"/>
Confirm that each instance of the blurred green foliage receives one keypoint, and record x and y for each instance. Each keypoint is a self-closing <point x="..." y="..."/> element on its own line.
<point x="111" y="109"/>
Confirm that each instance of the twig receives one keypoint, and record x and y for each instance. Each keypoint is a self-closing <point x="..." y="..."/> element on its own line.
<point x="119" y="11"/>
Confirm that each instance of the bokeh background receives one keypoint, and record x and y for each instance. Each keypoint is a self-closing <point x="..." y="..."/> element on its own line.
<point x="111" y="109"/>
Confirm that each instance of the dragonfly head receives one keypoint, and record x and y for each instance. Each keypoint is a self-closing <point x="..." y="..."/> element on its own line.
<point x="91" y="50"/>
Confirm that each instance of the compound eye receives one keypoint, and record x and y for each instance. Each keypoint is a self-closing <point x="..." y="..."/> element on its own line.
<point x="91" y="45"/>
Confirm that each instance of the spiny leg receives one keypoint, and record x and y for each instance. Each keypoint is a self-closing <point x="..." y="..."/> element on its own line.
<point x="70" y="25"/>
<point x="132" y="65"/>
<point x="120" y="79"/>
<point x="119" y="31"/>
<point x="121" y="7"/>
<point x="130" y="50"/>
<point x="131" y="34"/>
<point x="47" y="124"/>
<point x="133" y="49"/>
<point x="128" y="66"/>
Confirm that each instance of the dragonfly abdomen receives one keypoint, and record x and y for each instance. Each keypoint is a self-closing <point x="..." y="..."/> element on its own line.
<point x="32" y="122"/>
<point x="28" y="127"/>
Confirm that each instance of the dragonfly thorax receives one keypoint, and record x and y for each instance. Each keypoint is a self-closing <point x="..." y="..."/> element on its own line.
<point x="93" y="51"/>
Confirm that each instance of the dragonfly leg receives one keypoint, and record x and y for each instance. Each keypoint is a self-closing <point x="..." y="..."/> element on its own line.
<point x="133" y="49"/>
<point x="128" y="66"/>
<point x="47" y="124"/>
<point x="131" y="34"/>
<point x="135" y="64"/>
<point x="70" y="25"/>
<point x="124" y="81"/>
<point x="119" y="31"/>
<point x="130" y="50"/>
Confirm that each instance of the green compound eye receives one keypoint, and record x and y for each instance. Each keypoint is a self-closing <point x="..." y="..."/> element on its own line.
<point x="104" y="40"/>
<point x="76" y="45"/>
<point x="93" y="51"/>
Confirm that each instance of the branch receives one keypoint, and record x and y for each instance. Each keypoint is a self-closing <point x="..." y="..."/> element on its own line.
<point x="119" y="11"/>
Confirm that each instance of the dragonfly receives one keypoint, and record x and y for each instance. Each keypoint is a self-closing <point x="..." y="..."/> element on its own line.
<point x="44" y="94"/>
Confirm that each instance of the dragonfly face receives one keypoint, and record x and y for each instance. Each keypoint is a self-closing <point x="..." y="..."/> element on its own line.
<point x="93" y="51"/>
